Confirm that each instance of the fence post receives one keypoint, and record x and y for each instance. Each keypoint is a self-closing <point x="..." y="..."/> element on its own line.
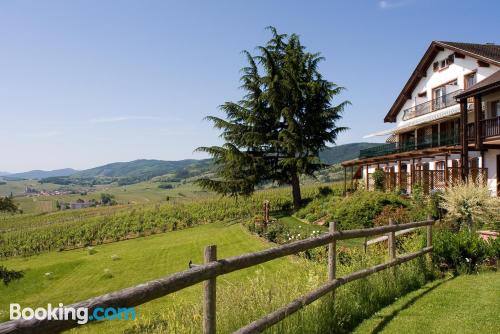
<point x="332" y="254"/>
<point x="429" y="232"/>
<point x="209" y="287"/>
<point x="391" y="239"/>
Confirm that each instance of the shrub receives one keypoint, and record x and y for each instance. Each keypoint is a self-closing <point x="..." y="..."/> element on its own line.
<point x="398" y="215"/>
<point x="359" y="210"/>
<point x="461" y="252"/>
<point x="8" y="276"/>
<point x="379" y="179"/>
<point x="471" y="205"/>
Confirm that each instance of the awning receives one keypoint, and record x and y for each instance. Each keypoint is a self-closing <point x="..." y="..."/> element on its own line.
<point x="407" y="125"/>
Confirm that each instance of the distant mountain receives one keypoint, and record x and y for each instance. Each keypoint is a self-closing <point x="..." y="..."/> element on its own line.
<point x="4" y="173"/>
<point x="337" y="154"/>
<point x="40" y="174"/>
<point x="144" y="169"/>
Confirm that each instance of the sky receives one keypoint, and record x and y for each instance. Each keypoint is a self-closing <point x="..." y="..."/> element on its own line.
<point x="84" y="83"/>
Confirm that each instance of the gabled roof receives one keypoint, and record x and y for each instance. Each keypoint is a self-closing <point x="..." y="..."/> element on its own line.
<point x="490" y="83"/>
<point x="488" y="53"/>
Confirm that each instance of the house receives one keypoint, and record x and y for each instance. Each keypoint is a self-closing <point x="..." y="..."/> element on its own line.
<point x="446" y="124"/>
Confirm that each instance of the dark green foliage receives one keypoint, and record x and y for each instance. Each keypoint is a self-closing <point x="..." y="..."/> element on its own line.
<point x="165" y="186"/>
<point x="275" y="133"/>
<point x="359" y="210"/>
<point x="7" y="205"/>
<point x="463" y="251"/>
<point x="379" y="179"/>
<point x="2" y="183"/>
<point x="8" y="276"/>
<point x="107" y="199"/>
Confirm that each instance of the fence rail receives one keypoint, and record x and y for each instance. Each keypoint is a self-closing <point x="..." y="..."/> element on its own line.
<point x="212" y="268"/>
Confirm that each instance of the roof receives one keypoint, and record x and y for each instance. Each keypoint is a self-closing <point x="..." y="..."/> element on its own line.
<point x="488" y="53"/>
<point x="491" y="82"/>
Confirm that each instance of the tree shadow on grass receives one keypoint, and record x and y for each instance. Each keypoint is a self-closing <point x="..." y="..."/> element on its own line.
<point x="388" y="318"/>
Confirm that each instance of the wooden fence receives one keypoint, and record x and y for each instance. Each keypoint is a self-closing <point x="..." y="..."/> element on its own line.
<point x="214" y="267"/>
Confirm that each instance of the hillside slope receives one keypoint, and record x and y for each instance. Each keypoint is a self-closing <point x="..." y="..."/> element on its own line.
<point x="142" y="169"/>
<point x="337" y="154"/>
<point x="40" y="174"/>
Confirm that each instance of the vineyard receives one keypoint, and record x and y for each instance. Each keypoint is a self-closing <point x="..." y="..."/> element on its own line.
<point x="34" y="234"/>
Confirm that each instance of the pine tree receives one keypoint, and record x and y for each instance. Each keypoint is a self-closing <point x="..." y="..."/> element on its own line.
<point x="275" y="133"/>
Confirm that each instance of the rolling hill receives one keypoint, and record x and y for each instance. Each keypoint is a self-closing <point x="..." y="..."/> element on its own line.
<point x="144" y="169"/>
<point x="40" y="174"/>
<point x="337" y="154"/>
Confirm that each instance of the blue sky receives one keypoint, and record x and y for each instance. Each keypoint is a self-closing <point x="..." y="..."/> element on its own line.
<point x="83" y="83"/>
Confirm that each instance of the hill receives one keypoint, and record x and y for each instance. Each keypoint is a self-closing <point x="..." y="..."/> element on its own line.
<point x="337" y="154"/>
<point x="141" y="170"/>
<point x="4" y="173"/>
<point x="40" y="174"/>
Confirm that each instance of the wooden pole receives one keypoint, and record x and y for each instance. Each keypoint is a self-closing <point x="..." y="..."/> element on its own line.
<point x="478" y="113"/>
<point x="392" y="242"/>
<point x="465" y="140"/>
<point x="345" y="181"/>
<point x="367" y="179"/>
<point x="209" y="287"/>
<point x="446" y="176"/>
<point x="429" y="232"/>
<point x="332" y="253"/>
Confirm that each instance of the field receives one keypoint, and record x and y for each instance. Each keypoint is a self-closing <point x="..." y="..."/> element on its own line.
<point x="464" y="304"/>
<point x="139" y="193"/>
<point x="139" y="260"/>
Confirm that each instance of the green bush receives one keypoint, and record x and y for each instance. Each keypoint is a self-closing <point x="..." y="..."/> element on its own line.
<point x="462" y="252"/>
<point x="359" y="210"/>
<point x="379" y="179"/>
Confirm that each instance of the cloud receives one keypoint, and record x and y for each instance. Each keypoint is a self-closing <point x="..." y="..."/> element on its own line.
<point x="393" y="4"/>
<point x="125" y="119"/>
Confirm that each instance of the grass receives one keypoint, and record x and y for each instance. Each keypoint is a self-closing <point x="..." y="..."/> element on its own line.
<point x="139" y="193"/>
<point x="132" y="262"/>
<point x="296" y="224"/>
<point x="464" y="304"/>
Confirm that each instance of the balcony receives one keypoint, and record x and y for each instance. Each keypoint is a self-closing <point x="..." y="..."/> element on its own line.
<point x="431" y="105"/>
<point x="489" y="128"/>
<point x="394" y="148"/>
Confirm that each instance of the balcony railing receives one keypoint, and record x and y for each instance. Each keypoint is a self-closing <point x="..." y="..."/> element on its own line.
<point x="409" y="145"/>
<point x="431" y="105"/>
<point x="489" y="127"/>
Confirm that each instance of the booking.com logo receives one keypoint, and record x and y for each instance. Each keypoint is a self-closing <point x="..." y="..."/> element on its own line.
<point x="80" y="314"/>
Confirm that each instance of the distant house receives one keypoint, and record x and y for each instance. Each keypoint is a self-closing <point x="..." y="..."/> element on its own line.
<point x="447" y="123"/>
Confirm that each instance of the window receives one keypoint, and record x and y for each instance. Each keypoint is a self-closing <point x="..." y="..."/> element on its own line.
<point x="444" y="63"/>
<point x="495" y="109"/>
<point x="439" y="97"/>
<point x="469" y="80"/>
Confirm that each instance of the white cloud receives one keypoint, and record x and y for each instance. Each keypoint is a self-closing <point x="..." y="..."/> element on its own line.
<point x="124" y="119"/>
<point x="393" y="4"/>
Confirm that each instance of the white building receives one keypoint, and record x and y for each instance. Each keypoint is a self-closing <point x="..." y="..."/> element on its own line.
<point x="447" y="123"/>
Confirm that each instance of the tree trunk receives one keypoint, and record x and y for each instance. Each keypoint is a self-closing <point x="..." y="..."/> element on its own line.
<point x="297" y="198"/>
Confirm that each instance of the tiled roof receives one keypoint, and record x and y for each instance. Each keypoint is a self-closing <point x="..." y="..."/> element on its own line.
<point x="489" y="50"/>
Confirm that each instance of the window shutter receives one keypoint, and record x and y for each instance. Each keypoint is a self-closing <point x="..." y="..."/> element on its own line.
<point x="435" y="66"/>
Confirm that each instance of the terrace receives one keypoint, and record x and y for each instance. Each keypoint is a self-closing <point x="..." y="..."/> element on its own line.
<point x="438" y="103"/>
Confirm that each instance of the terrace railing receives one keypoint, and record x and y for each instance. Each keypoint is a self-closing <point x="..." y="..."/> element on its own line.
<point x="214" y="267"/>
<point x="431" y="105"/>
<point x="410" y="145"/>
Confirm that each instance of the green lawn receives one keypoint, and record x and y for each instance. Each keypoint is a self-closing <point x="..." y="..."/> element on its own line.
<point x="465" y="304"/>
<point x="77" y="275"/>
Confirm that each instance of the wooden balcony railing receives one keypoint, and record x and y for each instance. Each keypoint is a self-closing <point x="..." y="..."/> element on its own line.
<point x="489" y="128"/>
<point x="407" y="146"/>
<point x="431" y="105"/>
